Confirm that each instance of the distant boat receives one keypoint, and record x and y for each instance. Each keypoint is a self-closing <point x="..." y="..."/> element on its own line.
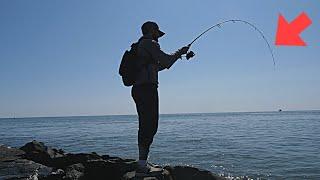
<point x="280" y="110"/>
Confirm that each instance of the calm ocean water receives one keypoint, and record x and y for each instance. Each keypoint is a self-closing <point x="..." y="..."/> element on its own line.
<point x="260" y="145"/>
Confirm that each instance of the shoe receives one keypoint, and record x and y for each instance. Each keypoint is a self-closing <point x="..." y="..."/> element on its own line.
<point x="148" y="170"/>
<point x="142" y="171"/>
<point x="153" y="165"/>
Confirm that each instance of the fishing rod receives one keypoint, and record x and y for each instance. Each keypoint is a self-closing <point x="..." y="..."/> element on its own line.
<point x="190" y="54"/>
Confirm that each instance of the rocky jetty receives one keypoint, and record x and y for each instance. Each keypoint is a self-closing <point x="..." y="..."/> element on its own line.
<point x="35" y="161"/>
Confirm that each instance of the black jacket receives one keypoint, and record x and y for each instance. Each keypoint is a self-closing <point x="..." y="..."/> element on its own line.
<point x="152" y="60"/>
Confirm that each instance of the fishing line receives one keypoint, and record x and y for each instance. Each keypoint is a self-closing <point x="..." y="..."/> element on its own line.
<point x="191" y="54"/>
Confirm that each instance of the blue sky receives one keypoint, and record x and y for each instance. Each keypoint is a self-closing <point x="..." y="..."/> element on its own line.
<point x="61" y="57"/>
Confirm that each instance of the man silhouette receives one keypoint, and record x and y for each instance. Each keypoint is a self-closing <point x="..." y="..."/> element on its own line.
<point x="145" y="89"/>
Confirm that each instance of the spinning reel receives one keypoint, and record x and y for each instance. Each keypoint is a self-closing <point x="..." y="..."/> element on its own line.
<point x="190" y="54"/>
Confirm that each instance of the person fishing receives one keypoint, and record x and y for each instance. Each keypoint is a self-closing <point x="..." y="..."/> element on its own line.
<point x="139" y="68"/>
<point x="145" y="89"/>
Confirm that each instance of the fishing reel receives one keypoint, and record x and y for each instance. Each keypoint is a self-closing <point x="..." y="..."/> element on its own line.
<point x="190" y="54"/>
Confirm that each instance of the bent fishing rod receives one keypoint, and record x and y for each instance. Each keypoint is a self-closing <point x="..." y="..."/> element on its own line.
<point x="190" y="54"/>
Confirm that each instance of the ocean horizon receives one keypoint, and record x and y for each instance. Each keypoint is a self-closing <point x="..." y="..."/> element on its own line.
<point x="179" y="113"/>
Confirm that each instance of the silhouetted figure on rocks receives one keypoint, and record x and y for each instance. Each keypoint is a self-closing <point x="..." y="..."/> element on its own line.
<point x="145" y="88"/>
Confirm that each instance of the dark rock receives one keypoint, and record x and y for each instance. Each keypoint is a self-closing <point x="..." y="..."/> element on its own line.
<point x="165" y="175"/>
<point x="56" y="175"/>
<point x="38" y="152"/>
<point x="12" y="166"/>
<point x="105" y="157"/>
<point x="191" y="173"/>
<point x="177" y="173"/>
<point x="69" y="159"/>
<point x="8" y="154"/>
<point x="108" y="169"/>
<point x="39" y="147"/>
<point x="74" y="172"/>
<point x="35" y="161"/>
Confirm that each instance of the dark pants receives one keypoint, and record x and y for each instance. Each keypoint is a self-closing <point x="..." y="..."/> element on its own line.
<point x="147" y="103"/>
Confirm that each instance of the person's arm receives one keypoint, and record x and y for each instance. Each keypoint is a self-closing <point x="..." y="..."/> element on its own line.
<point x="165" y="60"/>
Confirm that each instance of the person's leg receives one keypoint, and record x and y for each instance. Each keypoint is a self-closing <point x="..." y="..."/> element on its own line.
<point x="147" y="104"/>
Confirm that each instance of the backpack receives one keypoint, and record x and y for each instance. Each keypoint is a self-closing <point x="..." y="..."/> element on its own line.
<point x="129" y="68"/>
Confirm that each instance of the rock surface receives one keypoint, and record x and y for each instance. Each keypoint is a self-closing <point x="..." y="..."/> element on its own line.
<point x="36" y="161"/>
<point x="12" y="166"/>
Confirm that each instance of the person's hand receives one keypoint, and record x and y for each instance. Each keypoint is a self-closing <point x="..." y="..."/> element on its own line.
<point x="184" y="50"/>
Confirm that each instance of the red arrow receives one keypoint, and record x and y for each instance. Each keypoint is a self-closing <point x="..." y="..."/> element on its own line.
<point x="288" y="33"/>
